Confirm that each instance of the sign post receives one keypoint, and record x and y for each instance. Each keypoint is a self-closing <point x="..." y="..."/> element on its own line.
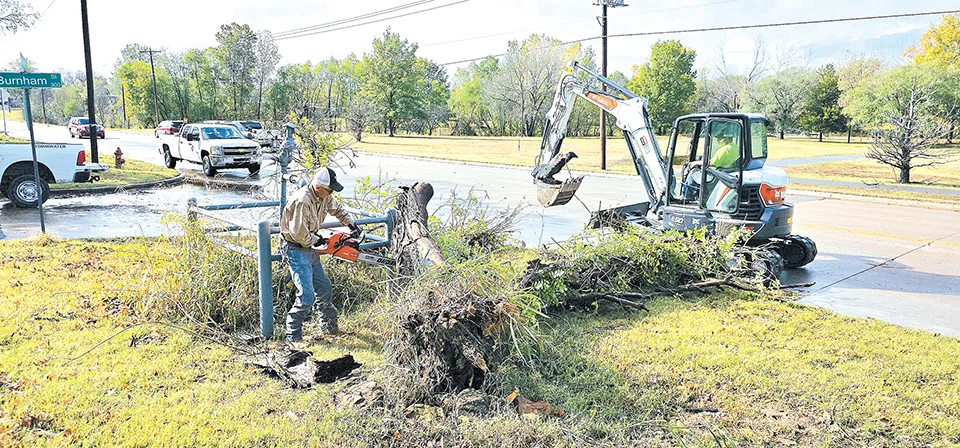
<point x="27" y="81"/>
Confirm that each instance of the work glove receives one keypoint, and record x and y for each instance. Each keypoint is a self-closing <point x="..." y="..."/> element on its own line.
<point x="321" y="241"/>
<point x="354" y="230"/>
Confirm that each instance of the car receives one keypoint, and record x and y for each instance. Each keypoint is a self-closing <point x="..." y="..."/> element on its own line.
<point x="168" y="127"/>
<point x="79" y="127"/>
<point x="215" y="146"/>
<point x="56" y="162"/>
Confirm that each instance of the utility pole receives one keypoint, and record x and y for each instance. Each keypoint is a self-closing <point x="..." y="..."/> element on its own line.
<point x="90" y="98"/>
<point x="123" y="99"/>
<point x="603" y="72"/>
<point x="156" y="101"/>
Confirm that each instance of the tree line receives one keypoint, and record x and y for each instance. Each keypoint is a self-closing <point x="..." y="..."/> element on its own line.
<point x="391" y="89"/>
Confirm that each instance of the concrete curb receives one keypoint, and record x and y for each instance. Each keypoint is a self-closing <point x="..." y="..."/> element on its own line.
<point x="171" y="182"/>
<point x="875" y="200"/>
<point x="203" y="181"/>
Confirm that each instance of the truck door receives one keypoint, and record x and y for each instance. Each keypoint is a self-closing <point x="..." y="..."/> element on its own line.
<point x="686" y="150"/>
<point x="187" y="142"/>
<point x="722" y="177"/>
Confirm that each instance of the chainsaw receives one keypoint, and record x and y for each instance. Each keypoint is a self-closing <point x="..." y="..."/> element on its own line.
<point x="344" y="247"/>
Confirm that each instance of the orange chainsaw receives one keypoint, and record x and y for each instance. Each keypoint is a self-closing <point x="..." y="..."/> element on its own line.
<point x="347" y="248"/>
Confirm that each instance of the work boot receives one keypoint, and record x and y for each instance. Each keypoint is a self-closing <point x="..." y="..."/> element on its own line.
<point x="328" y="320"/>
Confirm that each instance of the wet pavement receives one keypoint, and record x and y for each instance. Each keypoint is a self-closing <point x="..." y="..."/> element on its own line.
<point x="894" y="263"/>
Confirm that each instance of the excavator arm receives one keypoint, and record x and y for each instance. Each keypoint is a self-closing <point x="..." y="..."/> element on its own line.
<point x="632" y="118"/>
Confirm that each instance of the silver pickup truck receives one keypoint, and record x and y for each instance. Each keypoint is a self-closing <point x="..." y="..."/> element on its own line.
<point x="215" y="146"/>
<point x="57" y="162"/>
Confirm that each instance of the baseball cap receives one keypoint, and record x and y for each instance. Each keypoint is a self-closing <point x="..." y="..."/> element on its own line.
<point x="327" y="178"/>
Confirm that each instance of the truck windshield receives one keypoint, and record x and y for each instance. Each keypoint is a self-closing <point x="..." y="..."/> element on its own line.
<point x="251" y="125"/>
<point x="221" y="133"/>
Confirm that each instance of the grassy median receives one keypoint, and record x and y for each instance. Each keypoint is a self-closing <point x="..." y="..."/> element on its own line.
<point x="730" y="368"/>
<point x="133" y="172"/>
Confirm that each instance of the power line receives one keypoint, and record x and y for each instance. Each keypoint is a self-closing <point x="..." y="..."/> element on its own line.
<point x="649" y="11"/>
<point x="350" y="19"/>
<point x="804" y="22"/>
<point x="48" y="8"/>
<point x="727" y="28"/>
<point x="371" y="21"/>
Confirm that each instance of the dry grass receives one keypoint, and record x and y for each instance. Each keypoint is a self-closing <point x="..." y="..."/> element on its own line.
<point x="133" y="172"/>
<point x="871" y="172"/>
<point x="522" y="151"/>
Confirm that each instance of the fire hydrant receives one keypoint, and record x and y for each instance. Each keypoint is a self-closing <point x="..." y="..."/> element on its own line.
<point x="118" y="159"/>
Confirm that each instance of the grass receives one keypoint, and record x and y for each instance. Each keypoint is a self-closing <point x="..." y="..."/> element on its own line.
<point x="133" y="172"/>
<point x="776" y="373"/>
<point x="870" y="171"/>
<point x="522" y="151"/>
<point x="17" y="115"/>
<point x="8" y="139"/>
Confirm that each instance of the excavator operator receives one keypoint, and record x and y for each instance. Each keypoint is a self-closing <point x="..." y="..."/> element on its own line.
<point x="724" y="157"/>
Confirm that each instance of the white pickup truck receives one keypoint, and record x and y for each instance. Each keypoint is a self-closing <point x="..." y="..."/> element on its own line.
<point x="57" y="162"/>
<point x="215" y="146"/>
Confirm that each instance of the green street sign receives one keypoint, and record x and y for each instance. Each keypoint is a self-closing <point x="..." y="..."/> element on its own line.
<point x="30" y="80"/>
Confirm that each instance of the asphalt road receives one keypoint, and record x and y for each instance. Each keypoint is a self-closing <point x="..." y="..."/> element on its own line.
<point x="898" y="264"/>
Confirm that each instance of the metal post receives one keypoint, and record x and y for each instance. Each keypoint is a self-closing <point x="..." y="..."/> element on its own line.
<point x="94" y="153"/>
<point x="603" y="72"/>
<point x="33" y="147"/>
<point x="289" y="144"/>
<point x="266" y="279"/>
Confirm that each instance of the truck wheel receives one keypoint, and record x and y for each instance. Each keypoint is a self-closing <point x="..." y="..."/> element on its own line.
<point x="253" y="169"/>
<point x="208" y="168"/>
<point x="168" y="160"/>
<point x="23" y="191"/>
<point x="796" y="251"/>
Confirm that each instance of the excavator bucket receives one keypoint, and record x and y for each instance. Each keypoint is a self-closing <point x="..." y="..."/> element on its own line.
<point x="558" y="194"/>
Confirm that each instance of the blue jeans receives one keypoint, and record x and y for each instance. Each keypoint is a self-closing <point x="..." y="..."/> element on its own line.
<point x="312" y="285"/>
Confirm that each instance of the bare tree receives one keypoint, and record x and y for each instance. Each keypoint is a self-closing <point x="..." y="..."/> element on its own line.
<point x="267" y="58"/>
<point x="15" y="16"/>
<point x="360" y="116"/>
<point x="914" y="107"/>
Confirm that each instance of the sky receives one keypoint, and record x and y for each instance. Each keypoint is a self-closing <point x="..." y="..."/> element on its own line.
<point x="475" y="28"/>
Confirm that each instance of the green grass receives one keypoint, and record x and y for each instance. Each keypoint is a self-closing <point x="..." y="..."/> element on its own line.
<point x="8" y="139"/>
<point x="133" y="172"/>
<point x="776" y="372"/>
<point x="522" y="151"/>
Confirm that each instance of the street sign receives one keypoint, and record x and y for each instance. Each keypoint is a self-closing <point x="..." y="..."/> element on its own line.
<point x="30" y="80"/>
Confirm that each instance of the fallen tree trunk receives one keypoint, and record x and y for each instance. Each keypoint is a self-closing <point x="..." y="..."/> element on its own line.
<point x="411" y="242"/>
<point x="445" y="330"/>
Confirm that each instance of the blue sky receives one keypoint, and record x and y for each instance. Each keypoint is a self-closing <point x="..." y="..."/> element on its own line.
<point x="177" y="24"/>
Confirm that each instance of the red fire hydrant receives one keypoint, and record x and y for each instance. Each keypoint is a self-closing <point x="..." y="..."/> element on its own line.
<point x="118" y="159"/>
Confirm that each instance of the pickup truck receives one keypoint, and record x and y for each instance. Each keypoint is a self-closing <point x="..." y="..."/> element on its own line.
<point x="57" y="162"/>
<point x="215" y="146"/>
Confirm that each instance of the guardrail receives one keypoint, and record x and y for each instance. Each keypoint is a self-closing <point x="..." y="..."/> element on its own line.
<point x="266" y="229"/>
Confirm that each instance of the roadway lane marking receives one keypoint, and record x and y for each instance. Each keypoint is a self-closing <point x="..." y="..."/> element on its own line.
<point x="929" y="243"/>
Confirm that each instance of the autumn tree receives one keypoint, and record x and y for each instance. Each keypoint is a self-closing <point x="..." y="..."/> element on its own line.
<point x="940" y="45"/>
